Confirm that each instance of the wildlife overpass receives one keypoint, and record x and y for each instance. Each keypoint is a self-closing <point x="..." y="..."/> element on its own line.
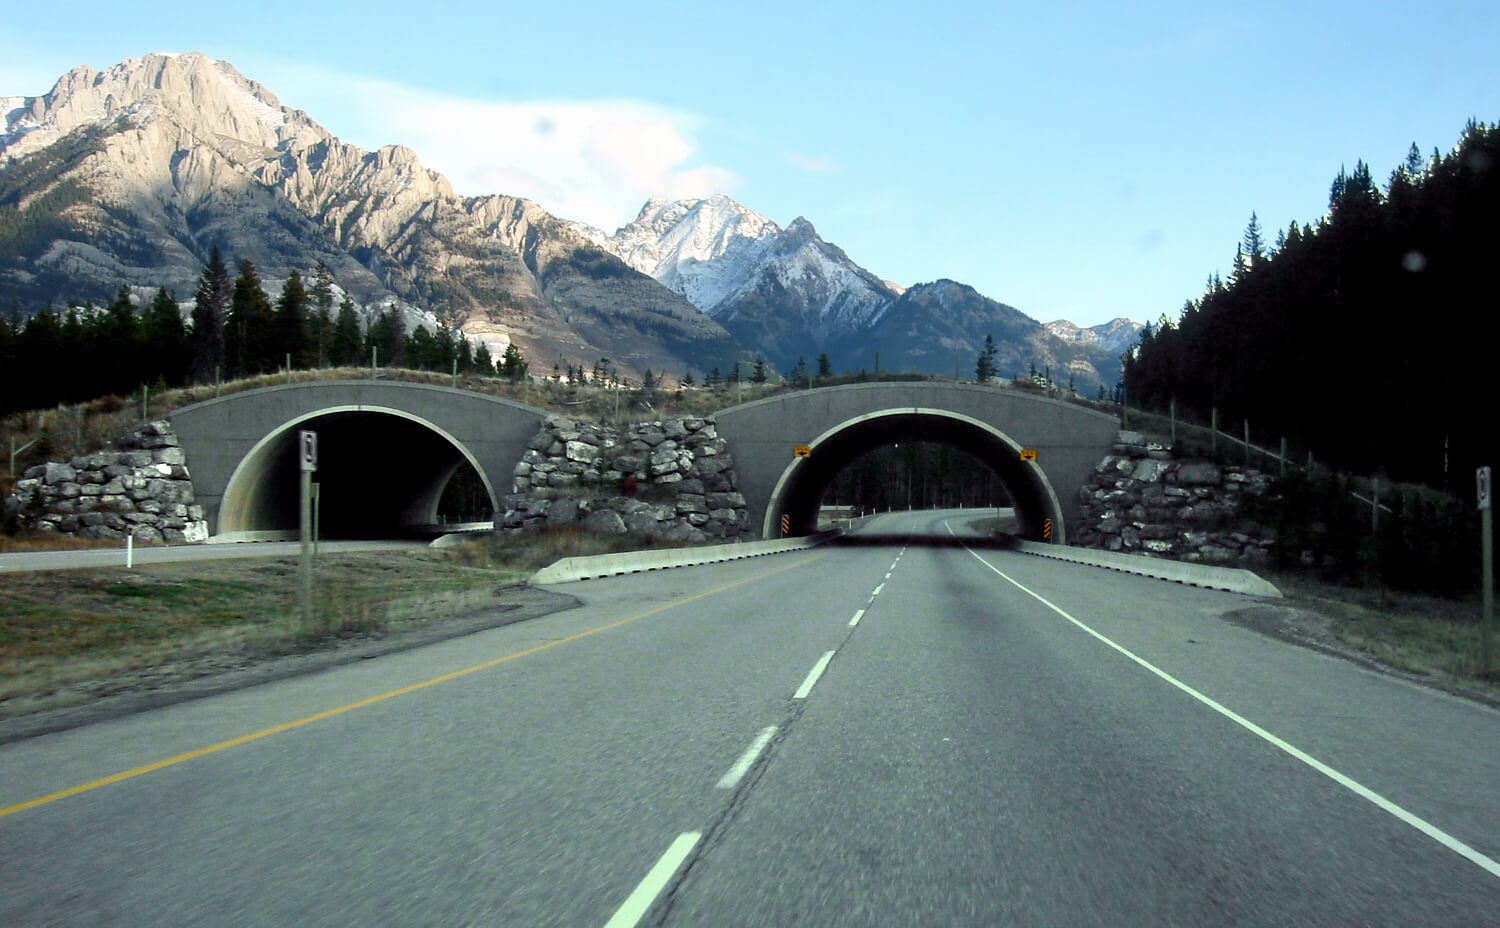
<point x="1042" y="450"/>
<point x="388" y="448"/>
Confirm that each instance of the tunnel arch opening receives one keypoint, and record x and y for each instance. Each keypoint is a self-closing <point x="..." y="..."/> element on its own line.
<point x="799" y="491"/>
<point x="381" y="474"/>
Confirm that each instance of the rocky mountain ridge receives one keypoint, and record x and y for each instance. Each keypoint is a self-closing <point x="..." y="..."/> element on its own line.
<point x="789" y="294"/>
<point x="129" y="175"/>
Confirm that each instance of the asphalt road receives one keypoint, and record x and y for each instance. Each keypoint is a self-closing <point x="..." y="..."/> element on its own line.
<point x="992" y="739"/>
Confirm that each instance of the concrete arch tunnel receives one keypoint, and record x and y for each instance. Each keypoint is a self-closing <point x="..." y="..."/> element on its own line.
<point x="842" y="423"/>
<point x="386" y="450"/>
<point x="799" y="491"/>
<point x="365" y="490"/>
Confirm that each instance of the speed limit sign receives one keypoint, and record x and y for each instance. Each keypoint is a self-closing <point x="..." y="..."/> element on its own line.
<point x="1484" y="485"/>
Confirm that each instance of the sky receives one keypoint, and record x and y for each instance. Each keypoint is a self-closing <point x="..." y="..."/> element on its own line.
<point x="1079" y="161"/>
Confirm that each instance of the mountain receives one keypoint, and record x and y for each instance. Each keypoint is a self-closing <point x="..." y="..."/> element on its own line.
<point x="1116" y="336"/>
<point x="940" y="326"/>
<point x="788" y="294"/>
<point x="130" y="175"/>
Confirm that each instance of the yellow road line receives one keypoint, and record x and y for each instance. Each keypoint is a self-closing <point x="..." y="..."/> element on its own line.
<point x="245" y="739"/>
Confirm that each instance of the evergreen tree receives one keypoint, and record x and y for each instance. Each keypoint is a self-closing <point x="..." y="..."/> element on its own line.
<point x="249" y="345"/>
<point x="512" y="364"/>
<point x="344" y="343"/>
<point x="758" y="374"/>
<point x="1252" y="246"/>
<point x="734" y="374"/>
<point x="320" y="327"/>
<point x="386" y="338"/>
<point x="825" y="367"/>
<point x="465" y="355"/>
<point x="798" y="373"/>
<point x="687" y="379"/>
<point x="292" y="330"/>
<point x="421" y="351"/>
<point x="484" y="362"/>
<point x="984" y="369"/>
<point x="117" y="347"/>
<point x="166" y="338"/>
<point x="210" y="309"/>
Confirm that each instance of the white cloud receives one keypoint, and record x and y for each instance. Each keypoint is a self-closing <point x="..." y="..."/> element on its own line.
<point x="593" y="161"/>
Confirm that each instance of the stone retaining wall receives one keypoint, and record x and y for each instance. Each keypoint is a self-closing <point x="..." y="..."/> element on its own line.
<point x="1141" y="499"/>
<point x="669" y="479"/>
<point x="140" y="486"/>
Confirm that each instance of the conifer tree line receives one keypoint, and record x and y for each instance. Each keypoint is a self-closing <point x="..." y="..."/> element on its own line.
<point x="1367" y="337"/>
<point x="236" y="330"/>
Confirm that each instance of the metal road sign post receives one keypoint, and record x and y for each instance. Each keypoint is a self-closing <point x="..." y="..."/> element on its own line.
<point x="307" y="453"/>
<point x="1485" y="486"/>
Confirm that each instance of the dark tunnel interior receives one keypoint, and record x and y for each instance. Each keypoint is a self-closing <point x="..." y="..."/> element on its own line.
<point x="379" y="476"/>
<point x="802" y="494"/>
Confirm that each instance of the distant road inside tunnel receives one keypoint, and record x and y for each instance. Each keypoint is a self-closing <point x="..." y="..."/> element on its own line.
<point x="115" y="557"/>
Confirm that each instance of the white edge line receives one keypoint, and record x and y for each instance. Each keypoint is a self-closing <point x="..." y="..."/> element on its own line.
<point x="732" y="779"/>
<point x="877" y="591"/>
<point x="1359" y="789"/>
<point x="629" y="913"/>
<point x="857" y="616"/>
<point x="812" y="676"/>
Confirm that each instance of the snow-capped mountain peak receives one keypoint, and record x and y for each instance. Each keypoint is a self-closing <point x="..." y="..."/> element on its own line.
<point x="744" y="270"/>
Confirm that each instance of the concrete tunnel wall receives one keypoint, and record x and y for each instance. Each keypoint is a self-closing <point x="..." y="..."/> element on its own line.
<point x="844" y="422"/>
<point x="386" y="449"/>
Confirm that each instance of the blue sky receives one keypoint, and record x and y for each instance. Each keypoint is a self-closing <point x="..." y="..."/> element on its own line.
<point x="1075" y="160"/>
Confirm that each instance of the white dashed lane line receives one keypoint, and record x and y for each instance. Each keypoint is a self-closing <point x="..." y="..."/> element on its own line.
<point x="747" y="760"/>
<point x="629" y="914"/>
<point x="812" y="676"/>
<point x="857" y="616"/>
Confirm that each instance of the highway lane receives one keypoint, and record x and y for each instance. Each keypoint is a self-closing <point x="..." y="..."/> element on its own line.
<point x="967" y="756"/>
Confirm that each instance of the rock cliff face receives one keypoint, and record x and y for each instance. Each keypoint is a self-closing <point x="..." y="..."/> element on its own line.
<point x="1142" y="500"/>
<point x="140" y="487"/>
<point x="131" y="174"/>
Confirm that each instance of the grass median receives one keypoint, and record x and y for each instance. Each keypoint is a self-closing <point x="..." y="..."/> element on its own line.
<point x="70" y="636"/>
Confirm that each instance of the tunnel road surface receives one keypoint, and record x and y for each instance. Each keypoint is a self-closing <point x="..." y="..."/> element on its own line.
<point x="864" y="735"/>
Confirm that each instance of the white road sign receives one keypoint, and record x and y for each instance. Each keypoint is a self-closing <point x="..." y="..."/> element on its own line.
<point x="308" y="443"/>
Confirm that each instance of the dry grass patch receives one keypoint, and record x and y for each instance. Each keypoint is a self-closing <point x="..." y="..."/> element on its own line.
<point x="1429" y="637"/>
<point x="70" y="636"/>
<point x="63" y="628"/>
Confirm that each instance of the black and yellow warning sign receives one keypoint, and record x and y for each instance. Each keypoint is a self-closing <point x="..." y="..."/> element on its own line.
<point x="1028" y="454"/>
<point x="802" y="451"/>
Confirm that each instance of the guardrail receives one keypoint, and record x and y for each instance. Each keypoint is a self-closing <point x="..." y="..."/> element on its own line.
<point x="631" y="562"/>
<point x="1233" y="579"/>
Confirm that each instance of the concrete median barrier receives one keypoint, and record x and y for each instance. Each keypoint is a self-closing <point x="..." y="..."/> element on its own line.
<point x="570" y="569"/>
<point x="1233" y="579"/>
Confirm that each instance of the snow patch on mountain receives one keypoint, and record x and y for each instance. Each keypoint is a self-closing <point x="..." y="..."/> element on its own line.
<point x="717" y="253"/>
<point x="1116" y="336"/>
